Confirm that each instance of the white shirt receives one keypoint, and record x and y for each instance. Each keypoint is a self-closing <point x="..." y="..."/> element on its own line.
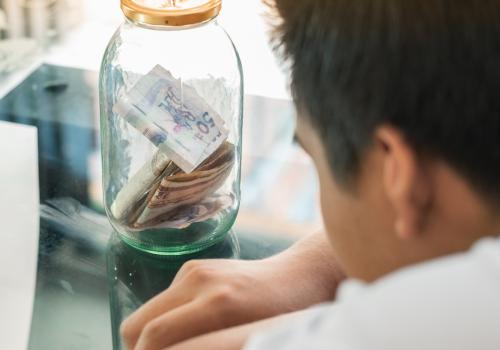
<point x="447" y="303"/>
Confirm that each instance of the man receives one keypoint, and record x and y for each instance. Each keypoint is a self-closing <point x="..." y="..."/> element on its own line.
<point x="399" y="107"/>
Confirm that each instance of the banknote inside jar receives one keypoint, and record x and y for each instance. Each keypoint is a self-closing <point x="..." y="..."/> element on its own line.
<point x="161" y="194"/>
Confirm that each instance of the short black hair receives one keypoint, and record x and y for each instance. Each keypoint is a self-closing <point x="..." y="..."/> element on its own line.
<point x="431" y="68"/>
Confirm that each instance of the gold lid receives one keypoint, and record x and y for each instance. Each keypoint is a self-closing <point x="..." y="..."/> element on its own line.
<point x="170" y="12"/>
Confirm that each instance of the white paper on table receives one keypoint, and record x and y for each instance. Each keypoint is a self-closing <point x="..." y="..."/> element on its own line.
<point x="19" y="229"/>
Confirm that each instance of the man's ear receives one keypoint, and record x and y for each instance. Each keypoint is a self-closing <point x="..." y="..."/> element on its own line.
<point x="405" y="182"/>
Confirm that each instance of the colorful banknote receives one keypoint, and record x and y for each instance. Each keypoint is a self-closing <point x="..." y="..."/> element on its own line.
<point x="174" y="117"/>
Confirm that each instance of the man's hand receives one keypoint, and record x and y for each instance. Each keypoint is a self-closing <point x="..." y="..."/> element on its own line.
<point x="209" y="295"/>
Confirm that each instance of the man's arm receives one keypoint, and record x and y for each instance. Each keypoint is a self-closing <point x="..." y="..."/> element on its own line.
<point x="209" y="295"/>
<point x="234" y="338"/>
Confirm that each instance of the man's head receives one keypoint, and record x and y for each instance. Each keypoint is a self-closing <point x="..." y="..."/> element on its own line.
<point x="399" y="106"/>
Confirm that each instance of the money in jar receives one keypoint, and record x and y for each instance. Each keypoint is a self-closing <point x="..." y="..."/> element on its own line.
<point x="171" y="116"/>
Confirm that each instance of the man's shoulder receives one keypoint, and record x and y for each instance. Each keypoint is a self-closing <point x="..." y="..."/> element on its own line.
<point x="448" y="303"/>
<point x="480" y="263"/>
<point x="468" y="278"/>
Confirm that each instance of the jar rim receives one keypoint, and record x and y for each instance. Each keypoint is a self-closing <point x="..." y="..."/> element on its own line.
<point x="171" y="13"/>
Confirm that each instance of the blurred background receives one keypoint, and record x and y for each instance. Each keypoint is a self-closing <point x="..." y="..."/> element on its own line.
<point x="75" y="33"/>
<point x="279" y="185"/>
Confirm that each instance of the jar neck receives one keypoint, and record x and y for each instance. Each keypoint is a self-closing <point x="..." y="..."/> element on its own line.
<point x="212" y="21"/>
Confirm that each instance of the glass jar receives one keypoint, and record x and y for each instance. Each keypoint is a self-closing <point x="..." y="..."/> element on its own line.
<point x="171" y="100"/>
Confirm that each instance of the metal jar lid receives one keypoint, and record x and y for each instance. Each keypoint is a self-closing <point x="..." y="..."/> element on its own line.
<point x="171" y="12"/>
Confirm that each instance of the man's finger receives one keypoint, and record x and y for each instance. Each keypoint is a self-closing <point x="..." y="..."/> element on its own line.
<point x="182" y="323"/>
<point x="164" y="302"/>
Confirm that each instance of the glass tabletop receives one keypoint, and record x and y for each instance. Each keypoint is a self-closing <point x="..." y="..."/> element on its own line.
<point x="84" y="271"/>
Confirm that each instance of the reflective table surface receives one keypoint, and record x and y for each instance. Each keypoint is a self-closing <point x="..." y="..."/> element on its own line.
<point x="87" y="279"/>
